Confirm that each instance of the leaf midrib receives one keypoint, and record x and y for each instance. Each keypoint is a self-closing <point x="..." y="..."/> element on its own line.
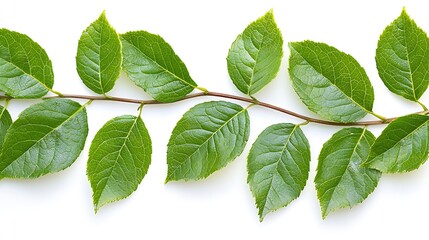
<point x="25" y="73"/>
<point x="400" y="140"/>
<point x="210" y="137"/>
<point x="117" y="158"/>
<point x="408" y="61"/>
<point x="162" y="67"/>
<point x="345" y="169"/>
<point x="276" y="169"/>
<point x="251" y="82"/>
<point x="331" y="83"/>
<point x="38" y="141"/>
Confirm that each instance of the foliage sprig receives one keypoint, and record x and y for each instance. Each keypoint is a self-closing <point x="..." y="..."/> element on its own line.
<point x="49" y="136"/>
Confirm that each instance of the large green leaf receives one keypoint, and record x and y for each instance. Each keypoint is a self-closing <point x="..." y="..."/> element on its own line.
<point x="341" y="181"/>
<point x="330" y="82"/>
<point x="25" y="69"/>
<point x="278" y="166"/>
<point x="403" y="58"/>
<point x="99" y="56"/>
<point x="119" y="158"/>
<point x="47" y="137"/>
<point x="207" y="138"/>
<point x="5" y="122"/>
<point x="402" y="146"/>
<point x="255" y="56"/>
<point x="151" y="64"/>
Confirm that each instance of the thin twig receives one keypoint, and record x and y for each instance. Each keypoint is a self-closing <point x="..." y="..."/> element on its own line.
<point x="227" y="96"/>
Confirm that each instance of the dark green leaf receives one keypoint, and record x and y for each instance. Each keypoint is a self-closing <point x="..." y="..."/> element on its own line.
<point x="403" y="58"/>
<point x="278" y="166"/>
<point x="341" y="181"/>
<point x="47" y="137"/>
<point x="207" y="138"/>
<point x="152" y="65"/>
<point x="25" y="69"/>
<point x="330" y="82"/>
<point x="402" y="146"/>
<point x="99" y="56"/>
<point x="119" y="158"/>
<point x="255" y="56"/>
<point x="5" y="122"/>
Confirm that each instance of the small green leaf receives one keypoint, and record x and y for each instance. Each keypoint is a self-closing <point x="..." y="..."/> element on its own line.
<point x="46" y="138"/>
<point x="151" y="64"/>
<point x="403" y="58"/>
<point x="207" y="138"/>
<point x="341" y="181"/>
<point x="25" y="69"/>
<point x="278" y="166"/>
<point x="5" y="122"/>
<point x="99" y="56"/>
<point x="255" y="56"/>
<point x="119" y="158"/>
<point x="330" y="82"/>
<point x="402" y="146"/>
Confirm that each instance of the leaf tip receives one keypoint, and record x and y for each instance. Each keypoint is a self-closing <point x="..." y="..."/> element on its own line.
<point x="103" y="14"/>
<point x="96" y="207"/>
<point x="167" y="180"/>
<point x="404" y="14"/>
<point x="404" y="11"/>
<point x="324" y="215"/>
<point x="270" y="13"/>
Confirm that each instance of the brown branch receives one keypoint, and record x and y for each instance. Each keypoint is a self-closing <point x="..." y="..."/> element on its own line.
<point x="227" y="96"/>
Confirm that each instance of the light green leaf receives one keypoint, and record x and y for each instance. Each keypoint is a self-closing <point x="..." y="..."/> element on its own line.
<point x="5" y="122"/>
<point x="25" y="69"/>
<point x="403" y="58"/>
<point x="278" y="166"/>
<point x="119" y="158"/>
<point x="151" y="64"/>
<point x="99" y="56"/>
<point x="402" y="146"/>
<point x="341" y="181"/>
<point x="330" y="82"/>
<point x="46" y="138"/>
<point x="255" y="56"/>
<point x="207" y="138"/>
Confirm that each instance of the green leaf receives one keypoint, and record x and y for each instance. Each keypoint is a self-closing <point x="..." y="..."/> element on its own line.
<point x="278" y="166"/>
<point x="341" y="181"/>
<point x="46" y="138"/>
<point x="25" y="69"/>
<point x="99" y="56"/>
<point x="330" y="82"/>
<point x="207" y="138"/>
<point x="5" y="122"/>
<point x="403" y="58"/>
<point x="151" y="64"/>
<point x="402" y="146"/>
<point x="255" y="56"/>
<point x="119" y="158"/>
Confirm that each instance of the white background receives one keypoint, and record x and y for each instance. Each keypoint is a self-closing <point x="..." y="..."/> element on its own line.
<point x="59" y="206"/>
